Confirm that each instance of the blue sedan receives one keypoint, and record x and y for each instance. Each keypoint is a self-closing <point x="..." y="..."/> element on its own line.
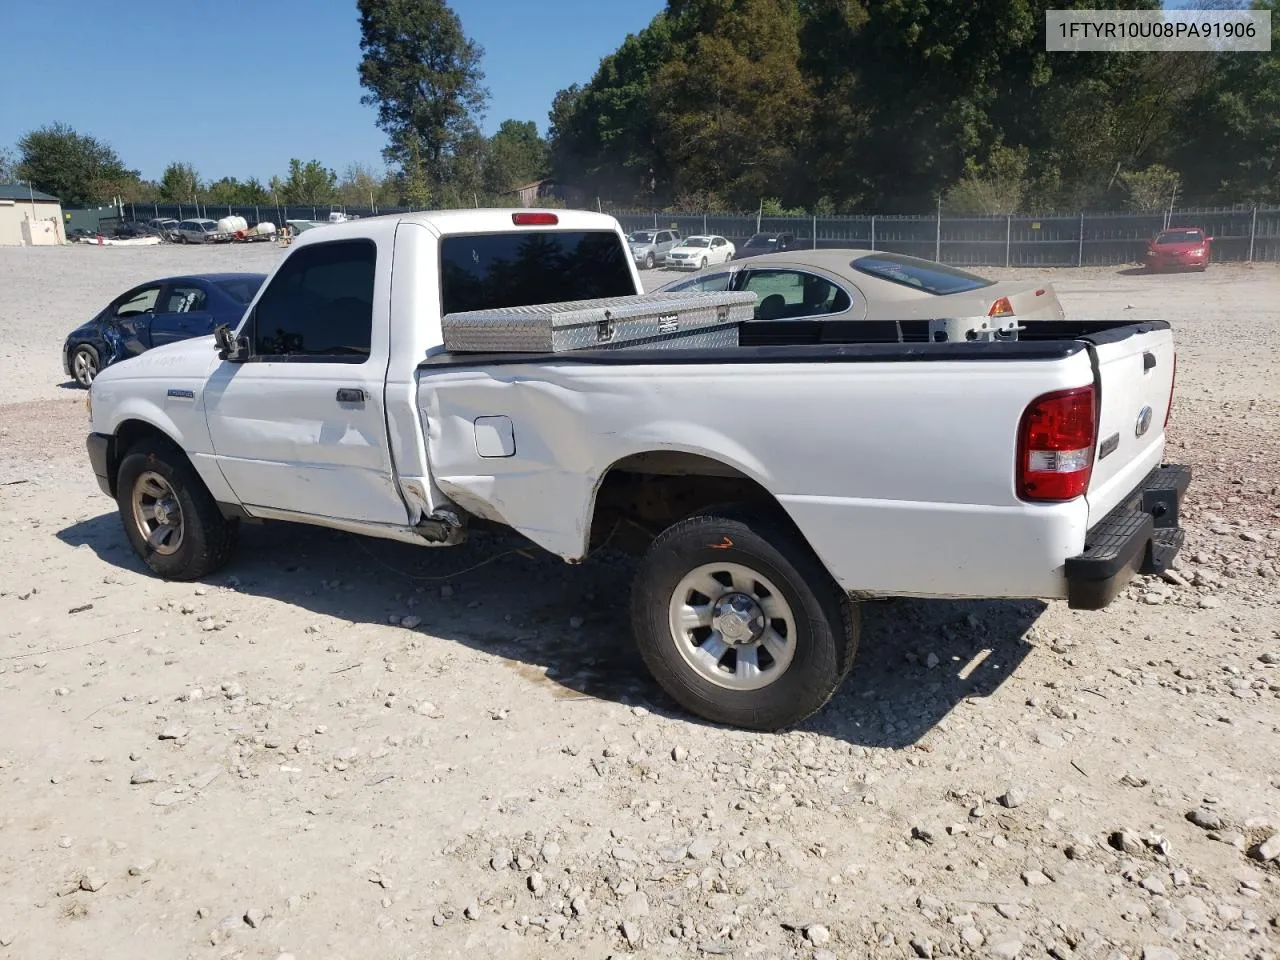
<point x="155" y="313"/>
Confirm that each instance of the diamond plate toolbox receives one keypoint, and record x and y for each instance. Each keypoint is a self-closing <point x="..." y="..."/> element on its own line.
<point x="656" y="319"/>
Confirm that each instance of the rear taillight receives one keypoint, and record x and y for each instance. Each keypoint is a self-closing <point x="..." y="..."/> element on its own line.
<point x="1055" y="445"/>
<point x="535" y="219"/>
<point x="1001" y="308"/>
<point x="1172" y="380"/>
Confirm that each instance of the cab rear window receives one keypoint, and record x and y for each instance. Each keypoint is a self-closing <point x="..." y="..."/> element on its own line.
<point x="491" y="271"/>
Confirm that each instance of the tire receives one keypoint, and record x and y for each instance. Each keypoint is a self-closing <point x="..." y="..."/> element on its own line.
<point x="703" y="264"/>
<point x="815" y="622"/>
<point x="157" y="475"/>
<point x="84" y="364"/>
<point x="649" y="262"/>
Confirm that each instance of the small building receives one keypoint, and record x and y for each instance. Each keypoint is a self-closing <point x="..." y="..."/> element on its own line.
<point x="29" y="217"/>
<point x="529" y="194"/>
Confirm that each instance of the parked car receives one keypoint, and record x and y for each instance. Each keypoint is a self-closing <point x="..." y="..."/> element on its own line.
<point x="166" y="227"/>
<point x="155" y="313"/>
<point x="869" y="284"/>
<point x="198" y="230"/>
<point x="650" y="247"/>
<point x="1188" y="248"/>
<point x="766" y="243"/>
<point x="133" y="228"/>
<point x="694" y="253"/>
<point x="768" y="488"/>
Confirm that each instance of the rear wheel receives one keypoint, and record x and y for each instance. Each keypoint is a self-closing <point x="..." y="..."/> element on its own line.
<point x="172" y="521"/>
<point x="739" y="622"/>
<point x="84" y="364"/>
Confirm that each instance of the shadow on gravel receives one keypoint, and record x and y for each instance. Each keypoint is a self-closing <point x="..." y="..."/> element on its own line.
<point x="567" y="628"/>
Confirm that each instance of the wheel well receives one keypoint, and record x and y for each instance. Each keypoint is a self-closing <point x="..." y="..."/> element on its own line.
<point x="643" y="494"/>
<point x="127" y="435"/>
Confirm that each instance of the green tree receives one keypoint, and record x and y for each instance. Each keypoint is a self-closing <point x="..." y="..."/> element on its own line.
<point x="515" y="155"/>
<point x="235" y="192"/>
<point x="1227" y="139"/>
<point x="7" y="165"/>
<point x="76" y="168"/>
<point x="423" y="74"/>
<point x="998" y="186"/>
<point x="1150" y="190"/>
<point x="360" y="186"/>
<point x="180" y="183"/>
<point x="309" y="183"/>
<point x="602" y="136"/>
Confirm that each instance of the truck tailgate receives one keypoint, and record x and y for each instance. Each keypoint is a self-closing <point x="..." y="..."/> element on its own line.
<point x="1135" y="375"/>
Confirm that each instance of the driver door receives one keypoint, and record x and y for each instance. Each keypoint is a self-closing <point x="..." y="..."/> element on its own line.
<point x="299" y="427"/>
<point x="131" y="316"/>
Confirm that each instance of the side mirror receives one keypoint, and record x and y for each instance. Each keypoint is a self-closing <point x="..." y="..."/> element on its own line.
<point x="230" y="347"/>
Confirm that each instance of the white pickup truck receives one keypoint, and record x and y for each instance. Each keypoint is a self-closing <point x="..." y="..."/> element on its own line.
<point x="773" y="484"/>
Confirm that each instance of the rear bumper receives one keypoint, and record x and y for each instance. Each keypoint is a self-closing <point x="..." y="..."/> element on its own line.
<point x="101" y="457"/>
<point x="1140" y="536"/>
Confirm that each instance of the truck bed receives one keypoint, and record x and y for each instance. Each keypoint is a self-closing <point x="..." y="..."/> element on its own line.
<point x="894" y="457"/>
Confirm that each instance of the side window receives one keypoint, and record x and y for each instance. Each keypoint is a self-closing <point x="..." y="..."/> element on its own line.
<point x="183" y="299"/>
<point x="717" y="242"/>
<point x="785" y="294"/>
<point x="664" y="237"/>
<point x="319" y="304"/>
<point x="715" y="283"/>
<point x="139" y="302"/>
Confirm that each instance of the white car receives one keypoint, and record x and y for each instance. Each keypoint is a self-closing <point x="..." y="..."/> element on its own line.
<point x="769" y="477"/>
<point x="694" y="253"/>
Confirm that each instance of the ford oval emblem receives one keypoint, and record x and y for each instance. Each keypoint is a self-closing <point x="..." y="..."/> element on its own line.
<point x="1144" y="422"/>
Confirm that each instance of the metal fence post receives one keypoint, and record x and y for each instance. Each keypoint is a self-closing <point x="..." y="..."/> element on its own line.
<point x="704" y="221"/>
<point x="1253" y="231"/>
<point x="873" y="231"/>
<point x="257" y="214"/>
<point x="156" y="208"/>
<point x="815" y="231"/>
<point x="1008" y="233"/>
<point x="655" y="220"/>
<point x="1080" y="254"/>
<point x="937" y="240"/>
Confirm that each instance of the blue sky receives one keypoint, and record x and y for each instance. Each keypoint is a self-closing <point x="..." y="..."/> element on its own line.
<point x="238" y="87"/>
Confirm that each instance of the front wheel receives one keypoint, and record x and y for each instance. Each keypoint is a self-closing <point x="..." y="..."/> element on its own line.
<point x="703" y="264"/>
<point x="84" y="364"/>
<point x="172" y="521"/>
<point x="739" y="622"/>
<point x="649" y="262"/>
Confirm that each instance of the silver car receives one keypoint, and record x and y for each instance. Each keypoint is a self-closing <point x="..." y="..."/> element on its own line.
<point x="871" y="285"/>
<point x="199" y="230"/>
<point x="649" y="247"/>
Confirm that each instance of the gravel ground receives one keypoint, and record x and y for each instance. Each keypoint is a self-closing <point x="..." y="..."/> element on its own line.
<point x="343" y="748"/>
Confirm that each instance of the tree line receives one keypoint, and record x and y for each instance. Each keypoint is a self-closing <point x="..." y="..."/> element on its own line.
<point x="83" y="170"/>
<point x="888" y="105"/>
<point x="815" y="106"/>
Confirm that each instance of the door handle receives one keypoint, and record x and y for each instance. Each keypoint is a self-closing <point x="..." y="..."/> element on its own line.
<point x="350" y="395"/>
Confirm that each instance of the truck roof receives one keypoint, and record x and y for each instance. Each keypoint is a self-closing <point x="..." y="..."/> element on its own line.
<point x="446" y="222"/>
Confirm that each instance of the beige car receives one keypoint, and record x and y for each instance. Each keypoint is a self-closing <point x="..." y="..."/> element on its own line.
<point x="853" y="284"/>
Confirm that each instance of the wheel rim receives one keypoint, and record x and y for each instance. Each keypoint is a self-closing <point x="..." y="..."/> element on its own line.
<point x="157" y="513"/>
<point x="733" y="626"/>
<point x="648" y="261"/>
<point x="84" y="366"/>
<point x="704" y="262"/>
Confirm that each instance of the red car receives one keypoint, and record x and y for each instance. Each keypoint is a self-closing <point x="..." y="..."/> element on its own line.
<point x="1179" y="248"/>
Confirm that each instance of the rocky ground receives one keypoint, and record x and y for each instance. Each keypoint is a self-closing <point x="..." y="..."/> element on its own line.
<point x="342" y="748"/>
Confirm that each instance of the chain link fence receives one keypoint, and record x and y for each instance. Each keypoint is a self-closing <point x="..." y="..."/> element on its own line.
<point x="1051" y="240"/>
<point x="1242" y="233"/>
